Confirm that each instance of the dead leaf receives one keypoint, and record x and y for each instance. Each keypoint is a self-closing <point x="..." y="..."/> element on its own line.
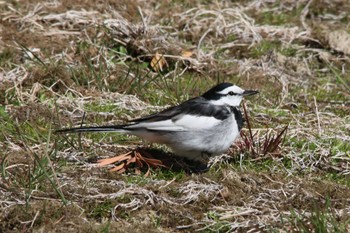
<point x="138" y="158"/>
<point x="158" y="62"/>
<point x="119" y="158"/>
<point x="132" y="160"/>
<point x="187" y="53"/>
<point x="121" y="171"/>
<point x="137" y="171"/>
<point x="117" y="168"/>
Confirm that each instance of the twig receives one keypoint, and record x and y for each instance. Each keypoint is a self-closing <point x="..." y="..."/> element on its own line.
<point x="200" y="43"/>
<point x="249" y="127"/>
<point x="318" y="117"/>
<point x="303" y="15"/>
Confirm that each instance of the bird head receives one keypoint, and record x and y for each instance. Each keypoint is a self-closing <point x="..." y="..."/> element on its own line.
<point x="227" y="94"/>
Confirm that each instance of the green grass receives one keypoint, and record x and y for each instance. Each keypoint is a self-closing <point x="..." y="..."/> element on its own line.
<point x="322" y="220"/>
<point x="106" y="227"/>
<point x="165" y="174"/>
<point x="7" y="57"/>
<point x="41" y="181"/>
<point x="278" y="15"/>
<point x="219" y="225"/>
<point x="101" y="210"/>
<point x="263" y="48"/>
<point x="108" y="107"/>
<point x="40" y="173"/>
<point x="267" y="47"/>
<point x="262" y="165"/>
<point x="338" y="178"/>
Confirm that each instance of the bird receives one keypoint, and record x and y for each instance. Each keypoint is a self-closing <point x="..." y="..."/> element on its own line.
<point x="196" y="129"/>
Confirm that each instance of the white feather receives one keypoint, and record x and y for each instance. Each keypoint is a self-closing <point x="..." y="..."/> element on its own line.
<point x="184" y="123"/>
<point x="233" y="88"/>
<point x="197" y="122"/>
<point x="167" y="125"/>
<point x="230" y="100"/>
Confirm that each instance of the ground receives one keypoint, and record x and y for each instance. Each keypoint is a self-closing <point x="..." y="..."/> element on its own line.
<point x="105" y="62"/>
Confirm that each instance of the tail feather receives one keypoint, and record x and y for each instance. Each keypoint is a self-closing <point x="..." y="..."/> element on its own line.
<point x="108" y="128"/>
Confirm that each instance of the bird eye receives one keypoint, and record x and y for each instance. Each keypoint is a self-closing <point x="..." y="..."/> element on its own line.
<point x="231" y="93"/>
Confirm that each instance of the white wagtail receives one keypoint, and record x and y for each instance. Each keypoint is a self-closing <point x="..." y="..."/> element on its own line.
<point x="196" y="129"/>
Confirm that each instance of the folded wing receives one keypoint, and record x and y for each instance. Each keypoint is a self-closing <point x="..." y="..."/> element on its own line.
<point x="194" y="114"/>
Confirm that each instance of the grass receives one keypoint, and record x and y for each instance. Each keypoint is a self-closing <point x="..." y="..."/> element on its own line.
<point x="319" y="220"/>
<point x="51" y="182"/>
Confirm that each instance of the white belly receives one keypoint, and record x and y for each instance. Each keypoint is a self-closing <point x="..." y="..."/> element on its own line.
<point x="193" y="144"/>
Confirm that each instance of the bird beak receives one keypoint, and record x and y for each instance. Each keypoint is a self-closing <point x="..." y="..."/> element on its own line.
<point x="249" y="92"/>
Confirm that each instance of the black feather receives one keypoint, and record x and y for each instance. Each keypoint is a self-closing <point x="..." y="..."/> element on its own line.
<point x="197" y="106"/>
<point x="91" y="129"/>
<point x="213" y="94"/>
<point x="238" y="117"/>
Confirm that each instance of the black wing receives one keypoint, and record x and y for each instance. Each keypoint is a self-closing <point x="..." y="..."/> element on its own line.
<point x="197" y="106"/>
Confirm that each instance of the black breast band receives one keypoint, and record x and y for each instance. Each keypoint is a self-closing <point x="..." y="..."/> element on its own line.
<point x="238" y="117"/>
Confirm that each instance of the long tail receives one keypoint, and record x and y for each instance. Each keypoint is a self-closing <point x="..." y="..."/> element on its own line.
<point x="108" y="128"/>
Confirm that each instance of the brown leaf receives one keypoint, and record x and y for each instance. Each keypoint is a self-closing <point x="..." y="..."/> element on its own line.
<point x="154" y="162"/>
<point x="119" y="158"/>
<point x="118" y="168"/>
<point x="148" y="172"/>
<point x="158" y="62"/>
<point x="137" y="171"/>
<point x="187" y="53"/>
<point x="131" y="160"/>
<point x="137" y="158"/>
<point x="121" y="171"/>
<point x="139" y="162"/>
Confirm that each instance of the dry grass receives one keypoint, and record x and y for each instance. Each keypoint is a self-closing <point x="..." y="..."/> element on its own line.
<point x="65" y="64"/>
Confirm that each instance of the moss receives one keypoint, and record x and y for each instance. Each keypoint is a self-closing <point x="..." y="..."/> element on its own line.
<point x="102" y="210"/>
<point x="7" y="57"/>
<point x="263" y="48"/>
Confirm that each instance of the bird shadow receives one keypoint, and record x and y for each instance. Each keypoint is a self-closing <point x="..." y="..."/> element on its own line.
<point x="175" y="163"/>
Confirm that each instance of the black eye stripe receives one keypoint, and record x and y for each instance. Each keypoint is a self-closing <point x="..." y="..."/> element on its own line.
<point x="231" y="93"/>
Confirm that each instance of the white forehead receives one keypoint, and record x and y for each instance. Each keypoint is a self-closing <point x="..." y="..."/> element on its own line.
<point x="233" y="88"/>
